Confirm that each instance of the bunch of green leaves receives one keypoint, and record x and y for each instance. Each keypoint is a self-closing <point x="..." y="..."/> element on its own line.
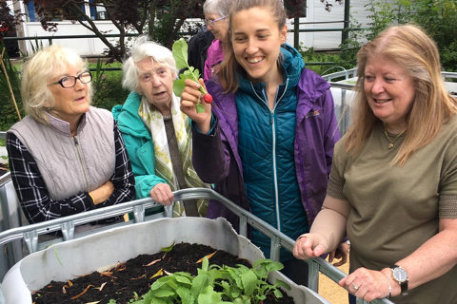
<point x="179" y="50"/>
<point x="216" y="285"/>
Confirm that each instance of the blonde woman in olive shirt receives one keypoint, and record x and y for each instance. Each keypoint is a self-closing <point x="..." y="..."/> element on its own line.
<point x="393" y="184"/>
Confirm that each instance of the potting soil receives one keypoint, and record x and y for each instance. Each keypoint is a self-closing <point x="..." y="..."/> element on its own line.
<point x="126" y="279"/>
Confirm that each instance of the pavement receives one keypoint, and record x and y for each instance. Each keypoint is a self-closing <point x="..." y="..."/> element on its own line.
<point x="331" y="291"/>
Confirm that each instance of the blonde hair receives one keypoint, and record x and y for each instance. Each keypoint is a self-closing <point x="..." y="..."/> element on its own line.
<point x="230" y="67"/>
<point x="45" y="64"/>
<point x="411" y="48"/>
<point x="142" y="49"/>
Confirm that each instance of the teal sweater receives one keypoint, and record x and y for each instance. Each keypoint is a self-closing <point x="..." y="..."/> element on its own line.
<point x="139" y="145"/>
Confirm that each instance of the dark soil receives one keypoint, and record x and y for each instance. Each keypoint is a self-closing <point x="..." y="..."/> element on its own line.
<point x="133" y="276"/>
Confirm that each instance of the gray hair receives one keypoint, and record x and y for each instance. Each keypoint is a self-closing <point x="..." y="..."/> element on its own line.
<point x="144" y="48"/>
<point x="45" y="64"/>
<point x="220" y="7"/>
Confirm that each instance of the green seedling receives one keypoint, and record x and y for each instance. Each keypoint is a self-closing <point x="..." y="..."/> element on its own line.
<point x="179" y="51"/>
<point x="216" y="285"/>
<point x="168" y="249"/>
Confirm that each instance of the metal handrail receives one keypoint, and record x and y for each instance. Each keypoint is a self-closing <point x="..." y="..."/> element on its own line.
<point x="66" y="225"/>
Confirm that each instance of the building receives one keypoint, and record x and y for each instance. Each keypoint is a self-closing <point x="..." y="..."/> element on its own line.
<point x="328" y="27"/>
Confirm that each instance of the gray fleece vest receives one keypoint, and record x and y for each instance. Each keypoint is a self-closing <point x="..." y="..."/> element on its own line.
<point x="70" y="165"/>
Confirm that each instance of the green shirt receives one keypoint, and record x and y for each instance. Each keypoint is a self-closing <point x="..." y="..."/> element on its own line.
<point x="394" y="209"/>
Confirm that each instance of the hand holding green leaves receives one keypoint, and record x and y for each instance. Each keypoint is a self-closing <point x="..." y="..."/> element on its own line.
<point x="179" y="51"/>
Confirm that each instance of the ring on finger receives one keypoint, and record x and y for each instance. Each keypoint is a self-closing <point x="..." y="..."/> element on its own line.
<point x="356" y="287"/>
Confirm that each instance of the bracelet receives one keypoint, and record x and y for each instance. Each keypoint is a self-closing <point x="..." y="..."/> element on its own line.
<point x="390" y="292"/>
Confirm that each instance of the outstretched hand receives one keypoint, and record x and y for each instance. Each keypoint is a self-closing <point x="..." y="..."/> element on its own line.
<point x="190" y="97"/>
<point x="309" y="245"/>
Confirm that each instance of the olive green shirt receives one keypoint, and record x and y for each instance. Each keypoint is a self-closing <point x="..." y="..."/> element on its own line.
<point x="394" y="209"/>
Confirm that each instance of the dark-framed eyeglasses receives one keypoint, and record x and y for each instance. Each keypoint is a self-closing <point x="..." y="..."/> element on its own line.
<point x="211" y="22"/>
<point x="70" y="81"/>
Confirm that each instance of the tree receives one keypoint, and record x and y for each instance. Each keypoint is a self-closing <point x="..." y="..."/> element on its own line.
<point x="161" y="19"/>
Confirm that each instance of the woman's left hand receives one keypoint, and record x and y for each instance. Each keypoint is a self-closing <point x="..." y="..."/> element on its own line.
<point x="369" y="284"/>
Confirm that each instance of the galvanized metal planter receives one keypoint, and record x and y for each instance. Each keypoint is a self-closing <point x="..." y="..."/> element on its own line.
<point x="70" y="259"/>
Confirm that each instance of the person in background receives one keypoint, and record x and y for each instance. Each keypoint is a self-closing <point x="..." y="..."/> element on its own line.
<point x="216" y="13"/>
<point x="393" y="184"/>
<point x="156" y="133"/>
<point x="65" y="156"/>
<point x="266" y="141"/>
<point x="198" y="48"/>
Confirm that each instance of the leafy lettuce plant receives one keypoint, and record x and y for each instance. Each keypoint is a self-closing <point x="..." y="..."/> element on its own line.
<point x="179" y="50"/>
<point x="216" y="285"/>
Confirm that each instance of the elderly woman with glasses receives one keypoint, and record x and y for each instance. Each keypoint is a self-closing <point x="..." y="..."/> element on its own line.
<point x="65" y="156"/>
<point x="216" y="13"/>
<point x="157" y="134"/>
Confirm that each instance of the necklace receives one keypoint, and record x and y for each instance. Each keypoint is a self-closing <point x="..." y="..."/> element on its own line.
<point x="393" y="139"/>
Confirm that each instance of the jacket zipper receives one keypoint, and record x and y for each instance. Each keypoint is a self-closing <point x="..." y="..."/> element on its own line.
<point x="273" y="128"/>
<point x="78" y="151"/>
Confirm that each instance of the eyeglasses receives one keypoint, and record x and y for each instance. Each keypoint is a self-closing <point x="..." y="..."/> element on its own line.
<point x="211" y="22"/>
<point x="70" y="81"/>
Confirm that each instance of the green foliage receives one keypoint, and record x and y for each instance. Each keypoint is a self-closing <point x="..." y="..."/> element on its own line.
<point x="107" y="85"/>
<point x="168" y="249"/>
<point x="437" y="17"/>
<point x="7" y="109"/>
<point x="215" y="284"/>
<point x="324" y="62"/>
<point x="179" y="50"/>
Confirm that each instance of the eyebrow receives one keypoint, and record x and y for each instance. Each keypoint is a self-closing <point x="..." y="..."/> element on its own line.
<point x="257" y="31"/>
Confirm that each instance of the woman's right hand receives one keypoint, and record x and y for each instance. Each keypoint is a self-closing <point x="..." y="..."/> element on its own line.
<point x="189" y="99"/>
<point x="102" y="193"/>
<point x="162" y="194"/>
<point x="309" y="245"/>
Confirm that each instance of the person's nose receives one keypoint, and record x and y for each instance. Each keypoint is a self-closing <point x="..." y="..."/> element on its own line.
<point x="252" y="46"/>
<point x="155" y="80"/>
<point x="79" y="85"/>
<point x="378" y="86"/>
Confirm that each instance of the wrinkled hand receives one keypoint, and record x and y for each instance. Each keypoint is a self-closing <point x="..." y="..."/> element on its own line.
<point x="309" y="245"/>
<point x="189" y="99"/>
<point x="162" y="194"/>
<point x="102" y="193"/>
<point x="369" y="284"/>
<point x="341" y="253"/>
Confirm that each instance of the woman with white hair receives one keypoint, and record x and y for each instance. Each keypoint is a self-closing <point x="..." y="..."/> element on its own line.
<point x="156" y="133"/>
<point x="216" y="13"/>
<point x="65" y="156"/>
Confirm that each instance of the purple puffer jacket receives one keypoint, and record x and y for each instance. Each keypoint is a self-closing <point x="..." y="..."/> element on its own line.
<point x="217" y="161"/>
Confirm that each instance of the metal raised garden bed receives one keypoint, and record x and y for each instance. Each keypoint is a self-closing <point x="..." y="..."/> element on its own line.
<point x="35" y="270"/>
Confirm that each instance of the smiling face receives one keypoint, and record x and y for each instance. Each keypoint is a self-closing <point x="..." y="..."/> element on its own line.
<point x="390" y="92"/>
<point x="70" y="103"/>
<point x="256" y="40"/>
<point x="156" y="84"/>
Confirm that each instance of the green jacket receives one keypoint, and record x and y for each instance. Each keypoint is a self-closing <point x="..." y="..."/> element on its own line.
<point x="139" y="144"/>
